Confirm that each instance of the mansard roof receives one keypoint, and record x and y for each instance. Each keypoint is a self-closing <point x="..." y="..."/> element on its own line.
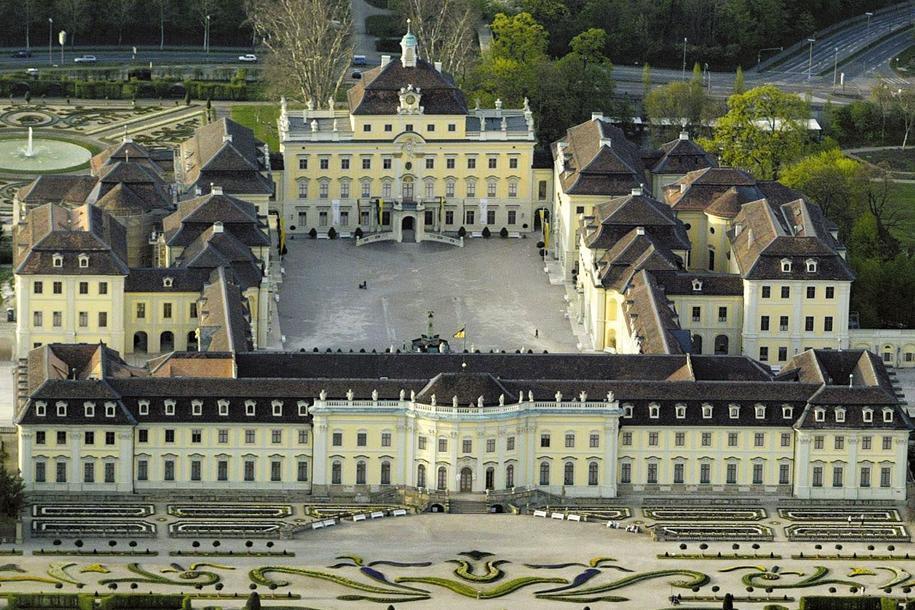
<point x="597" y="159"/>
<point x="620" y="215"/>
<point x="378" y="92"/>
<point x="682" y="156"/>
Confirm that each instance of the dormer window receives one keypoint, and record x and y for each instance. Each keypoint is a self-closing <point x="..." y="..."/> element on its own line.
<point x="887" y="415"/>
<point x="89" y="409"/>
<point x="733" y="411"/>
<point x="706" y="411"/>
<point x="840" y="415"/>
<point x="819" y="415"/>
<point x="83" y="261"/>
<point x="787" y="412"/>
<point x="57" y="260"/>
<point x="250" y="408"/>
<point x="144" y="407"/>
<point x="303" y="408"/>
<point x="277" y="408"/>
<point x="167" y="282"/>
<point x="40" y="409"/>
<point x="109" y="409"/>
<point x="681" y="411"/>
<point x="786" y="265"/>
<point x="223" y="408"/>
<point x="811" y="265"/>
<point x="169" y="407"/>
<point x="197" y="407"/>
<point x="867" y="415"/>
<point x="697" y="285"/>
<point x="61" y="409"/>
<point x="654" y="411"/>
<point x="760" y="411"/>
<point x="627" y="411"/>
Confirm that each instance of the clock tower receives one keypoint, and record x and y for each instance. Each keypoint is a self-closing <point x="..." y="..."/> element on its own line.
<point x="408" y="44"/>
<point x="409" y="100"/>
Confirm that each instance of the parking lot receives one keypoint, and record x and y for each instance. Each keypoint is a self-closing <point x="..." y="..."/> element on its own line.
<point x="494" y="288"/>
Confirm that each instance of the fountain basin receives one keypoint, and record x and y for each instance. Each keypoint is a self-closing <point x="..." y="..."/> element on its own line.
<point x="48" y="155"/>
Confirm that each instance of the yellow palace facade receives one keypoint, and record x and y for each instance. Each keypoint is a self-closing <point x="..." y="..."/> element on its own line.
<point x="408" y="159"/>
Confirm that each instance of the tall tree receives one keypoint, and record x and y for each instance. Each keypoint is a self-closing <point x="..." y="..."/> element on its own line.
<point x="74" y="17"/>
<point x="162" y="9"/>
<point x="646" y="80"/>
<point x="904" y="102"/>
<point x="446" y="31"/>
<point x="739" y="86"/>
<point x="678" y="102"/>
<point x="310" y="45"/>
<point x="11" y="493"/>
<point x="205" y="12"/>
<point x="120" y="13"/>
<point x="763" y="130"/>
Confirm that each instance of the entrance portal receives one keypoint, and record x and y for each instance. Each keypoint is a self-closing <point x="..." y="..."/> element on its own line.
<point x="466" y="480"/>
<point x="408" y="228"/>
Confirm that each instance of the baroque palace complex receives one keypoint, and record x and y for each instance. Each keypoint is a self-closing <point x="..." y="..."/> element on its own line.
<point x="716" y="307"/>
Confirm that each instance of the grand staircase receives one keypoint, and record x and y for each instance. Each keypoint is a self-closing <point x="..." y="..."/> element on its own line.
<point x="468" y="504"/>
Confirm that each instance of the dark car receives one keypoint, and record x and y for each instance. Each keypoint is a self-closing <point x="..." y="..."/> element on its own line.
<point x="21" y="54"/>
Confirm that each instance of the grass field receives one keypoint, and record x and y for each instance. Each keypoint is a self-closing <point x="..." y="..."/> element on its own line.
<point x="262" y="119"/>
<point x="903" y="195"/>
<point x="896" y="159"/>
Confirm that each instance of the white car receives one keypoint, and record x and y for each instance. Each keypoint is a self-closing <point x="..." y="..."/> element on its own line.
<point x="250" y="58"/>
<point x="32" y="71"/>
<point x="86" y="59"/>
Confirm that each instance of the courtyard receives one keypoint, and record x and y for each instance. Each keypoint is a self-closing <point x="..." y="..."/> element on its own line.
<point x="452" y="561"/>
<point x="494" y="288"/>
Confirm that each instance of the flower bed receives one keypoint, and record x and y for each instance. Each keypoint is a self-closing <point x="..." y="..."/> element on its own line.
<point x="93" y="511"/>
<point x="93" y="552"/>
<point x="868" y="515"/>
<point x="339" y="511"/>
<point x="660" y="513"/>
<point x="225" y="529"/>
<point x="719" y="556"/>
<point x="593" y="512"/>
<point x="842" y="532"/>
<point x="230" y="511"/>
<point x="854" y="556"/>
<point x="712" y="532"/>
<point x="87" y="528"/>
<point x="231" y="554"/>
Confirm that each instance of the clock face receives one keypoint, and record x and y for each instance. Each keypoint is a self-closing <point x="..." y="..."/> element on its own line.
<point x="410" y="100"/>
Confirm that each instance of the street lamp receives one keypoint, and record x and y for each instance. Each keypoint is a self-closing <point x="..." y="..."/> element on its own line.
<point x="708" y="75"/>
<point x="206" y="36"/>
<point x="50" y="40"/>
<point x="868" y="41"/>
<point x="62" y="39"/>
<point x="810" y="62"/>
<point x="835" y="69"/>
<point x="684" y="58"/>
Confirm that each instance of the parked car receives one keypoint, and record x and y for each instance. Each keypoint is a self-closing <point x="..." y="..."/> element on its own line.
<point x="356" y="75"/>
<point x="249" y="58"/>
<point x="86" y="59"/>
<point x="21" y="54"/>
<point x="359" y="60"/>
<point x="32" y="71"/>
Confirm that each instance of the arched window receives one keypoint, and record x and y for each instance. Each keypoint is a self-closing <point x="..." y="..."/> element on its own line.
<point x="721" y="345"/>
<point x="544" y="473"/>
<point x="360" y="473"/>
<point x="421" y="475"/>
<point x="336" y="473"/>
<point x="386" y="473"/>
<point x="490" y="478"/>
<point x="442" y="482"/>
<point x="509" y="476"/>
<point x="568" y="474"/>
<point x="592" y="473"/>
<point x="697" y="344"/>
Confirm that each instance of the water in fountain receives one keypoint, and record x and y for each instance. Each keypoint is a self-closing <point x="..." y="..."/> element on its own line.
<point x="40" y="154"/>
<point x="29" y="151"/>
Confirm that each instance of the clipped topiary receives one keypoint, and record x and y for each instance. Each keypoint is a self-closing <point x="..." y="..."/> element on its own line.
<point x="254" y="601"/>
<point x="332" y="233"/>
<point x="313" y="233"/>
<point x="462" y="232"/>
<point x="486" y="232"/>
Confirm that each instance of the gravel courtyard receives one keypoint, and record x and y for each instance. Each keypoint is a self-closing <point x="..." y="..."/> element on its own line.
<point x="496" y="288"/>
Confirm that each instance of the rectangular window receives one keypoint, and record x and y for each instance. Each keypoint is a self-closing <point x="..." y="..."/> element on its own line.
<point x="493" y="162"/>
<point x="84" y="287"/>
<point x="386" y="163"/>
<point x="89" y="437"/>
<point x="166" y="310"/>
<point x="276" y="471"/>
<point x="757" y="474"/>
<point x="301" y="471"/>
<point x="362" y="439"/>
<point x="594" y="441"/>
<point x="141" y="310"/>
<point x="324" y="189"/>
<point x="195" y="470"/>
<point x="865" y="443"/>
<point x="324" y="163"/>
<point x="222" y="470"/>
<point x="430" y="163"/>
<point x="764" y="323"/>
<point x="811" y="292"/>
<point x="510" y="443"/>
<point x="61" y="437"/>
<point x="731" y="474"/>
<point x="697" y="314"/>
<point x="759" y="439"/>
<point x="627" y="439"/>
<point x="169" y="436"/>
<point x="512" y="217"/>
<point x="784" y="474"/>
<point x="490" y="217"/>
<point x="37" y="319"/>
<point x="837" y="476"/>
<point x="109" y="438"/>
<point x="57" y="287"/>
<point x="818" y="442"/>
<point x="57" y="319"/>
<point x="490" y="445"/>
<point x="84" y="319"/>
<point x="250" y="437"/>
<point x="142" y="470"/>
<point x="385" y="439"/>
<point x="103" y="287"/>
<point x="625" y="472"/>
<point x="839" y="442"/>
<point x="722" y="314"/>
<point x="222" y="436"/>
<point x="89" y="472"/>
<point x="786" y="439"/>
<point x="766" y="292"/>
<point x="544" y="440"/>
<point x="40" y="437"/>
<point x="827" y="324"/>
<point x="366" y="163"/>
<point x="885" y="476"/>
<point x="782" y="354"/>
<point x="865" y="476"/>
<point x="808" y="324"/>
<point x="466" y="446"/>
<point x="449" y="217"/>
<point x="570" y="441"/>
<point x="303" y="437"/>
<point x="817" y="476"/>
<point x="421" y="443"/>
<point x="469" y="217"/>
<point x="705" y="474"/>
<point x="249" y="470"/>
<point x="169" y="470"/>
<point x="732" y="439"/>
<point x="61" y="474"/>
<point x="652" y="439"/>
<point x="344" y="193"/>
<point x="471" y="163"/>
<point x="678" y="473"/>
<point x="491" y="188"/>
<point x="322" y="219"/>
<point x="652" y="477"/>
<point x="103" y="319"/>
<point x="786" y="292"/>
<point x="706" y="439"/>
<point x="142" y="435"/>
<point x="887" y="443"/>
<point x="830" y="292"/>
<point x="442" y="445"/>
<point x="276" y="437"/>
<point x="471" y="188"/>
<point x="783" y="323"/>
<point x="344" y="163"/>
<point x="680" y="439"/>
<point x="37" y="287"/>
<point x="303" y="163"/>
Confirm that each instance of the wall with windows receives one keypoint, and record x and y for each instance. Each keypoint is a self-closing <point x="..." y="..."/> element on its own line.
<point x="896" y="347"/>
<point x="714" y="322"/>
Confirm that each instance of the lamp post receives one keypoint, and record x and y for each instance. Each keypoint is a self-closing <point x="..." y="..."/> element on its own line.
<point x="810" y="62"/>
<point x="50" y="40"/>
<point x="868" y="14"/>
<point x="62" y="39"/>
<point x="684" y="58"/>
<point x="206" y="36"/>
<point x="708" y="75"/>
<point x="835" y="69"/>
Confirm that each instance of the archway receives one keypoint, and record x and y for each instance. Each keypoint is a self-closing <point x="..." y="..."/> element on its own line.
<point x="546" y="216"/>
<point x="721" y="345"/>
<point x="490" y="478"/>
<point x="167" y="341"/>
<point x="408" y="228"/>
<point x="192" y="341"/>
<point x="140" y="342"/>
<point x="497" y="508"/>
<point x="697" y="344"/>
<point x="436" y="508"/>
<point x="466" y="480"/>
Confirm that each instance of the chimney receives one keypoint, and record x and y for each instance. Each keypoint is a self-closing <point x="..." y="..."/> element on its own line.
<point x="438" y="66"/>
<point x="385" y="60"/>
<point x="636" y="191"/>
<point x="227" y="137"/>
<point x="215" y="190"/>
<point x="640" y="230"/>
<point x="597" y="115"/>
<point x="684" y="135"/>
<point x="606" y="142"/>
<point x="217" y="227"/>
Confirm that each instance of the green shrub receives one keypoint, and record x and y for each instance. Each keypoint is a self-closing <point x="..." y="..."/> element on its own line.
<point x="833" y="602"/>
<point x="120" y="601"/>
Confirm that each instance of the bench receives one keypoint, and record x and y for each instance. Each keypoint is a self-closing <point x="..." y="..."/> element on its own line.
<point x="316" y="525"/>
<point x="558" y="516"/>
<point x="323" y="236"/>
<point x="345" y="234"/>
<point x="329" y="522"/>
<point x="540" y="513"/>
<point x="377" y="514"/>
<point x="359" y="517"/>
<point x="575" y="518"/>
<point x="514" y="234"/>
<point x="399" y="512"/>
<point x="476" y="234"/>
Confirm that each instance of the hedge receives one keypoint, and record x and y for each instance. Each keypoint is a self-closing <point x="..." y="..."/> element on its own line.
<point x="847" y="603"/>
<point x="235" y="90"/>
<point x="150" y="602"/>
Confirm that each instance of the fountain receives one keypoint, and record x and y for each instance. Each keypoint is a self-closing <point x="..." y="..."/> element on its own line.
<point x="39" y="154"/>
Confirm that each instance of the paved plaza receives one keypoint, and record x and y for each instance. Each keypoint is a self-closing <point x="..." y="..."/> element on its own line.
<point x="495" y="288"/>
<point x="459" y="561"/>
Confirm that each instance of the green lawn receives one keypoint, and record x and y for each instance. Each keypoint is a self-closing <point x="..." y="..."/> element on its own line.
<point x="904" y="63"/>
<point x="895" y="159"/>
<point x="903" y="195"/>
<point x="262" y="119"/>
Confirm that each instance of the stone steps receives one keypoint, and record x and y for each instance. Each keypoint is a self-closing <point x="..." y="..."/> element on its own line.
<point x="468" y="507"/>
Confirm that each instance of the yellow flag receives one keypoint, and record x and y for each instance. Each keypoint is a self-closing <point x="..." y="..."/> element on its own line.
<point x="459" y="334"/>
<point x="546" y="236"/>
<point x="380" y="210"/>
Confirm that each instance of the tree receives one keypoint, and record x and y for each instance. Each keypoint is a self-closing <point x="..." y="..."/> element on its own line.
<point x="120" y="12"/>
<point x="204" y="11"/>
<point x="254" y="601"/>
<point x="310" y="45"/>
<point x="519" y="38"/>
<point x="739" y="86"/>
<point x="883" y="98"/>
<point x="679" y="102"/>
<point x="904" y="102"/>
<point x="590" y="45"/>
<point x="74" y="17"/>
<point x="763" y="130"/>
<point x="646" y="80"/>
<point x="446" y="31"/>
<point x="163" y="7"/>
<point x="11" y="493"/>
